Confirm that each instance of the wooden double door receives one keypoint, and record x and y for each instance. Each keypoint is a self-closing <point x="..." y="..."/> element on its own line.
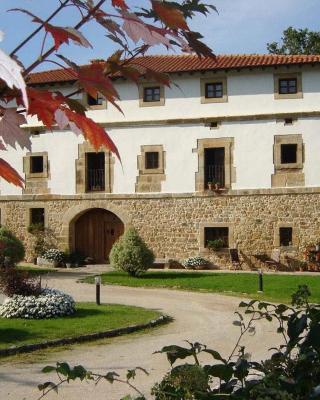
<point x="95" y="233"/>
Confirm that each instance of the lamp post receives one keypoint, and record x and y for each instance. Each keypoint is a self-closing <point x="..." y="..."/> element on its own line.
<point x="97" y="280"/>
<point x="260" y="281"/>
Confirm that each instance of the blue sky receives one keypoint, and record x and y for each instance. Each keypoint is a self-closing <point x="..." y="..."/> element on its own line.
<point x="242" y="26"/>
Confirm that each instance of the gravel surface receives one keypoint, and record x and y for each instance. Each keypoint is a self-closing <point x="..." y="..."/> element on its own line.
<point x="202" y="317"/>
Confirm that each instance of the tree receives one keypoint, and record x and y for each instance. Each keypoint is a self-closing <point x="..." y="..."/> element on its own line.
<point x="296" y="41"/>
<point x="135" y="32"/>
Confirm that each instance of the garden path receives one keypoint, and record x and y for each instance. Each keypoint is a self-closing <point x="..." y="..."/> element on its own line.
<point x="202" y="317"/>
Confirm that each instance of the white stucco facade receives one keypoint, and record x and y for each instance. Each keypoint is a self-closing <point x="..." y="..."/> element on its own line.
<point x="250" y="116"/>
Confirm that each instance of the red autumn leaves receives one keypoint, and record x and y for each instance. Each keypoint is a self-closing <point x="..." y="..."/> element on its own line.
<point x="121" y="25"/>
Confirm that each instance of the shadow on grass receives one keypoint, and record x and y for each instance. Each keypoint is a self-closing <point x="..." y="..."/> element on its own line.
<point x="10" y="335"/>
<point x="176" y="275"/>
<point x="86" y="312"/>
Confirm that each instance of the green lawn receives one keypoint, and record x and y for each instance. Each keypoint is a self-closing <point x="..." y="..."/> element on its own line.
<point x="35" y="270"/>
<point x="89" y="318"/>
<point x="277" y="287"/>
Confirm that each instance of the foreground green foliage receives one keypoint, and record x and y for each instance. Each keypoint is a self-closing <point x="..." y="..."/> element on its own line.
<point x="291" y="373"/>
<point x="10" y="246"/>
<point x="89" y="318"/>
<point x="277" y="287"/>
<point x="35" y="270"/>
<point x="131" y="254"/>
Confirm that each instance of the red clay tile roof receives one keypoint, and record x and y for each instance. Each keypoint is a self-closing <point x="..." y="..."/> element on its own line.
<point x="188" y="63"/>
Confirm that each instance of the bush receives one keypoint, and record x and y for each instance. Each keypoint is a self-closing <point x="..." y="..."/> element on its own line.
<point x="194" y="262"/>
<point x="54" y="255"/>
<point x="50" y="303"/>
<point x="15" y="282"/>
<point x="11" y="246"/>
<point x="182" y="382"/>
<point x="131" y="254"/>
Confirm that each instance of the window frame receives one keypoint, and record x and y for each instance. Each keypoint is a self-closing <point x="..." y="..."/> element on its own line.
<point x="214" y="80"/>
<point x="202" y="237"/>
<point x="101" y="106"/>
<point x="27" y="165"/>
<point x="280" y="140"/>
<point x="288" y="76"/>
<point x="147" y="85"/>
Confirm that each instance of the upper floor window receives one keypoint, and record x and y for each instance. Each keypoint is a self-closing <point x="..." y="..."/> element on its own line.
<point x="151" y="95"/>
<point x="95" y="103"/>
<point x="214" y="90"/>
<point x="151" y="160"/>
<point x="288" y="86"/>
<point x="36" y="164"/>
<point x="289" y="153"/>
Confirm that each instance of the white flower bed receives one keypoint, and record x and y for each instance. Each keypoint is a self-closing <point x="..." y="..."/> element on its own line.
<point x="51" y="303"/>
<point x="194" y="262"/>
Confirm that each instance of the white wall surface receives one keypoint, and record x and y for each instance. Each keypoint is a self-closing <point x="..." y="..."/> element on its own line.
<point x="248" y="93"/>
<point x="253" y="154"/>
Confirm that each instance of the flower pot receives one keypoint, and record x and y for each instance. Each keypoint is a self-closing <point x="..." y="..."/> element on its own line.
<point x="210" y="186"/>
<point x="68" y="265"/>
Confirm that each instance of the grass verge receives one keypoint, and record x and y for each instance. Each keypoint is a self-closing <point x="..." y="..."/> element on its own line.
<point x="277" y="288"/>
<point x="35" y="270"/>
<point x="89" y="318"/>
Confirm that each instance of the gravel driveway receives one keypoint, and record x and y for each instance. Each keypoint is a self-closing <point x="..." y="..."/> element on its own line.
<point x="202" y="317"/>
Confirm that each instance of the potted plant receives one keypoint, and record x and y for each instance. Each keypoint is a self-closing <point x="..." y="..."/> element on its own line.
<point x="67" y="259"/>
<point x="210" y="185"/>
<point x="216" y="244"/>
<point x="55" y="256"/>
<point x="37" y="230"/>
<point x="195" y="263"/>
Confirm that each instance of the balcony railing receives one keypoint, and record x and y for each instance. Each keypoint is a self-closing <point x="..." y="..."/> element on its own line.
<point x="96" y="179"/>
<point x="215" y="174"/>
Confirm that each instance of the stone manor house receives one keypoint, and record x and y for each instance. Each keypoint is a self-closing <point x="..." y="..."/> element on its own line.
<point x="247" y="126"/>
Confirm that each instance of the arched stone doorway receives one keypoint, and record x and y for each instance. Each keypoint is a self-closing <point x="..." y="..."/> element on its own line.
<point x="95" y="232"/>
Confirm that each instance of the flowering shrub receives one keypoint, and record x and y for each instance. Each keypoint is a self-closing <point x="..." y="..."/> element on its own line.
<point x="54" y="255"/>
<point x="51" y="303"/>
<point x="194" y="262"/>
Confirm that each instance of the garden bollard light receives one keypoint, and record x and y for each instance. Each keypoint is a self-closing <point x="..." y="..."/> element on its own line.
<point x="260" y="281"/>
<point x="97" y="280"/>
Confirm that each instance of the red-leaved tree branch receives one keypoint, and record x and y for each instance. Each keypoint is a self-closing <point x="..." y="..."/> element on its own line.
<point x="160" y="23"/>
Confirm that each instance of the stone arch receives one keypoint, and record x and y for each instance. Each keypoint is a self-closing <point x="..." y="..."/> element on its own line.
<point x="71" y="216"/>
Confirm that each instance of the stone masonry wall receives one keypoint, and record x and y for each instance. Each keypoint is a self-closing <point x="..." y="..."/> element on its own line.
<point x="173" y="225"/>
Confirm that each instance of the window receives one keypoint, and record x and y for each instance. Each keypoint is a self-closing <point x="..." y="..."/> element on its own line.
<point x="288" y="86"/>
<point x="285" y="236"/>
<point x="214" y="166"/>
<point x="215" y="233"/>
<point x="151" y="94"/>
<point x="214" y="90"/>
<point x="288" y="121"/>
<point x="95" y="103"/>
<point x="151" y="159"/>
<point x="289" y="153"/>
<point x="37" y="216"/>
<point x="36" y="164"/>
<point x="95" y="166"/>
